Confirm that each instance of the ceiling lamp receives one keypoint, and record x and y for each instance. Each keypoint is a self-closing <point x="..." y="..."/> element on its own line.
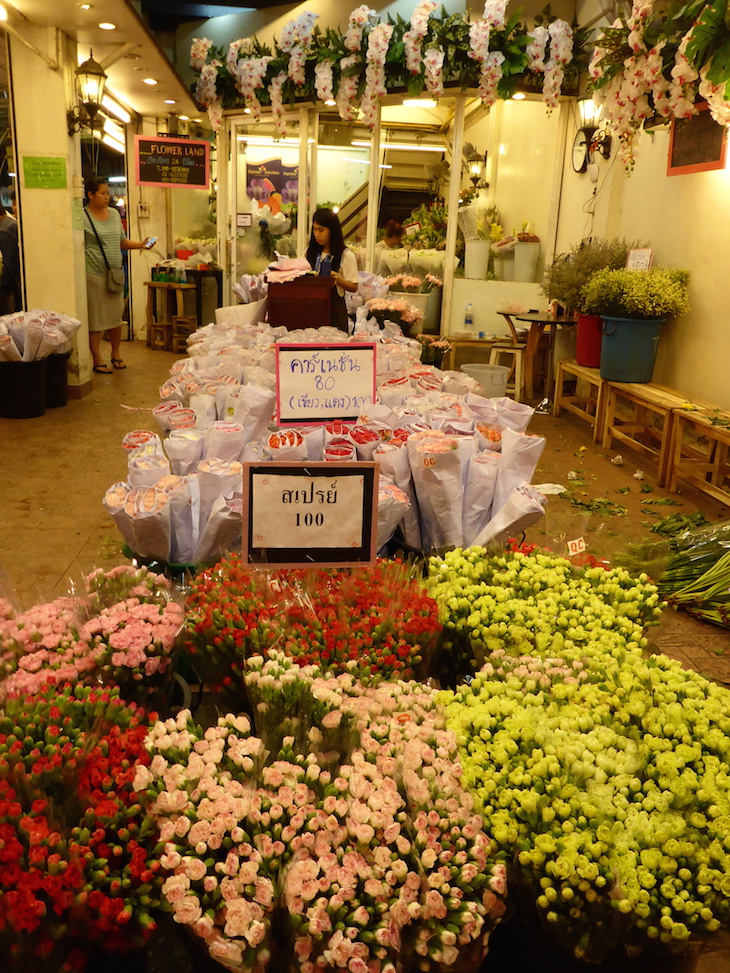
<point x="91" y="81"/>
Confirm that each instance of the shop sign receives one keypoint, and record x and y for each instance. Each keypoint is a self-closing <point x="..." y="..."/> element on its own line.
<point x="172" y="162"/>
<point x="310" y="514"/>
<point x="317" y="383"/>
<point x="44" y="172"/>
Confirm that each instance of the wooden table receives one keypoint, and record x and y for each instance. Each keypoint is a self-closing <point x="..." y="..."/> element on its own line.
<point x="174" y="306"/>
<point x="538" y="321"/>
<point x="640" y="431"/>
<point x="699" y="452"/>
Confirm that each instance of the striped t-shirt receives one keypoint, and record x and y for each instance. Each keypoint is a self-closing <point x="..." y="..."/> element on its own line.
<point x="111" y="233"/>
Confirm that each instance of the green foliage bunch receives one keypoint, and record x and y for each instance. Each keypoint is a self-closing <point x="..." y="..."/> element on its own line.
<point x="568" y="274"/>
<point x="643" y="294"/>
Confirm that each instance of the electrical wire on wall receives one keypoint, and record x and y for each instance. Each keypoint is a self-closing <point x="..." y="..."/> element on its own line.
<point x="589" y="207"/>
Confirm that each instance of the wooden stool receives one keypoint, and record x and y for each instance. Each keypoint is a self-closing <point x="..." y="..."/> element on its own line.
<point x="650" y="402"/>
<point x="516" y="379"/>
<point x="590" y="407"/>
<point x="699" y="452"/>
<point x="159" y="334"/>
<point x="182" y="328"/>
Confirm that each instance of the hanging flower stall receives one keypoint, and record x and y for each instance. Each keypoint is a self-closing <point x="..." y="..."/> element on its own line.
<point x="492" y="54"/>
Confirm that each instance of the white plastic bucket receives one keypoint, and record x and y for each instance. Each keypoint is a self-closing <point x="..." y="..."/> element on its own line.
<point x="492" y="378"/>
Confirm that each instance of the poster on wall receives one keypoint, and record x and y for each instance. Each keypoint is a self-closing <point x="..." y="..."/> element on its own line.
<point x="272" y="184"/>
<point x="163" y="161"/>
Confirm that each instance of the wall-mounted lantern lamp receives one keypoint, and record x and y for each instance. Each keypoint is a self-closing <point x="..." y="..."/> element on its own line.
<point x="477" y="164"/>
<point x="91" y="81"/>
<point x="590" y="137"/>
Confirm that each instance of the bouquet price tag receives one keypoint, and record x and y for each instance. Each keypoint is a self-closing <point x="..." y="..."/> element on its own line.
<point x="319" y="382"/>
<point x="577" y="546"/>
<point x="306" y="514"/>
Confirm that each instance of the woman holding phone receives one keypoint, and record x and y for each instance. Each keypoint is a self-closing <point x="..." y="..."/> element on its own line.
<point x="328" y="256"/>
<point x="104" y="240"/>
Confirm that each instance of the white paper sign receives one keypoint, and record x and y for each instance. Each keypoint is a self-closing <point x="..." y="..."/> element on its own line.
<point x="578" y="546"/>
<point x="320" y="382"/>
<point x="306" y="513"/>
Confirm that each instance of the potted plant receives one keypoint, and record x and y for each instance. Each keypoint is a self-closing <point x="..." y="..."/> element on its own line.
<point x="633" y="305"/>
<point x="564" y="280"/>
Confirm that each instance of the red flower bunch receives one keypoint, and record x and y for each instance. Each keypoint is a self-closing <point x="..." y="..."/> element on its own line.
<point x="74" y="844"/>
<point x="372" y="621"/>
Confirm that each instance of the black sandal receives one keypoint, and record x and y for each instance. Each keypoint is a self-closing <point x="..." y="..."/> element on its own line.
<point x="118" y="363"/>
<point x="102" y="369"/>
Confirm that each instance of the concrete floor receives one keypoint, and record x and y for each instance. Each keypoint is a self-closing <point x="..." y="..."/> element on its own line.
<point x="54" y="528"/>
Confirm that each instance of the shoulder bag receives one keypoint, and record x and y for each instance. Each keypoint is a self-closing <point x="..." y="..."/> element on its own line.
<point x="114" y="275"/>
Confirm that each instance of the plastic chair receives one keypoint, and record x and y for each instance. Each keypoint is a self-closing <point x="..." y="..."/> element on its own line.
<point x="514" y="349"/>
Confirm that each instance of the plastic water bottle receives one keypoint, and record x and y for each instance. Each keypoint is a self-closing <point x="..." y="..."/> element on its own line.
<point x="469" y="318"/>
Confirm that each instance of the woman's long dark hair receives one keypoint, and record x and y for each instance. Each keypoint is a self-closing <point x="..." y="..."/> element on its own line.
<point x="330" y="219"/>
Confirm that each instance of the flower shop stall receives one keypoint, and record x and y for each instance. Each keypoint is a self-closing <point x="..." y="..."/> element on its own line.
<point x="455" y="467"/>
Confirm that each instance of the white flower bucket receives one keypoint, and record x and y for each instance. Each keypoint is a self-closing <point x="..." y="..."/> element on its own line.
<point x="476" y="259"/>
<point x="526" y="257"/>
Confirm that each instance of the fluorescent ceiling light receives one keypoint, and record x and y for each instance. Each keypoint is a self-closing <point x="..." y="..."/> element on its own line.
<point x="518" y="96"/>
<point x="149" y="81"/>
<point x="112" y="143"/>
<point x="3" y="13"/>
<point x="419" y="102"/>
<point x="170" y="101"/>
<point x="117" y="179"/>
<point x="108" y="103"/>
<point x="108" y="26"/>
<point x="184" y="118"/>
<point x="112" y="128"/>
<point x="330" y="102"/>
<point x="414" y="146"/>
<point x="365" y="162"/>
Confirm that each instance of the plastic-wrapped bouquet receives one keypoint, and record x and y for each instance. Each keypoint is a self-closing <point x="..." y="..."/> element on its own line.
<point x="433" y="349"/>
<point x="77" y="873"/>
<point x="122" y="632"/>
<point x="412" y="284"/>
<point x="351" y="865"/>
<point x="372" y="621"/>
<point x="30" y="335"/>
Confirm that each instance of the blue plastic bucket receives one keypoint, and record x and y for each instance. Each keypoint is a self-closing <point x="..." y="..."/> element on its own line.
<point x="628" y="348"/>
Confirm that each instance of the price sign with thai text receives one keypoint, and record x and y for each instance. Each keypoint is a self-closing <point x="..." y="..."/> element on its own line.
<point x="316" y="383"/>
<point x="306" y="514"/>
<point x="172" y="162"/>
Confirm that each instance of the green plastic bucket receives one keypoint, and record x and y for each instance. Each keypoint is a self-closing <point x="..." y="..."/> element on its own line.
<point x="628" y="348"/>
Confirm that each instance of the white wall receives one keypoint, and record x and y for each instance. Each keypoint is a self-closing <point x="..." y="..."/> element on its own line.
<point x="51" y="219"/>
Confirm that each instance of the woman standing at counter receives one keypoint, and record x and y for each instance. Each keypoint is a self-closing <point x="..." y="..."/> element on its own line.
<point x="328" y="256"/>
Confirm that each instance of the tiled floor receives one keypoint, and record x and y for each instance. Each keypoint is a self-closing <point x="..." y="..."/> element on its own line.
<point x="56" y="469"/>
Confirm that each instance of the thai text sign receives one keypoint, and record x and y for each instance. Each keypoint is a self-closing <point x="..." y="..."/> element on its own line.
<point x="319" y="382"/>
<point x="163" y="161"/>
<point x="299" y="514"/>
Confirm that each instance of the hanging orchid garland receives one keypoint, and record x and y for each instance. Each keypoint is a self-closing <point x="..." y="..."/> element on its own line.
<point x="658" y="61"/>
<point x="357" y="68"/>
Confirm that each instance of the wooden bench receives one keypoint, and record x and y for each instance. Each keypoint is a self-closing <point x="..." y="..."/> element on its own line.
<point x="640" y="431"/>
<point x="699" y="451"/>
<point x="589" y="407"/>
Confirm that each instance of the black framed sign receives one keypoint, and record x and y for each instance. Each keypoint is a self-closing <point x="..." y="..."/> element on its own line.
<point x="299" y="515"/>
<point x="163" y="161"/>
<point x="696" y="144"/>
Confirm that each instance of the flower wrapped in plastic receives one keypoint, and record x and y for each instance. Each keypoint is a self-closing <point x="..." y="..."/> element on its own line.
<point x="78" y="867"/>
<point x="374" y="621"/>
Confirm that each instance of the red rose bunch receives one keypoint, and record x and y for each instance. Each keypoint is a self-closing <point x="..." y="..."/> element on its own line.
<point x="77" y="871"/>
<point x="373" y="621"/>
